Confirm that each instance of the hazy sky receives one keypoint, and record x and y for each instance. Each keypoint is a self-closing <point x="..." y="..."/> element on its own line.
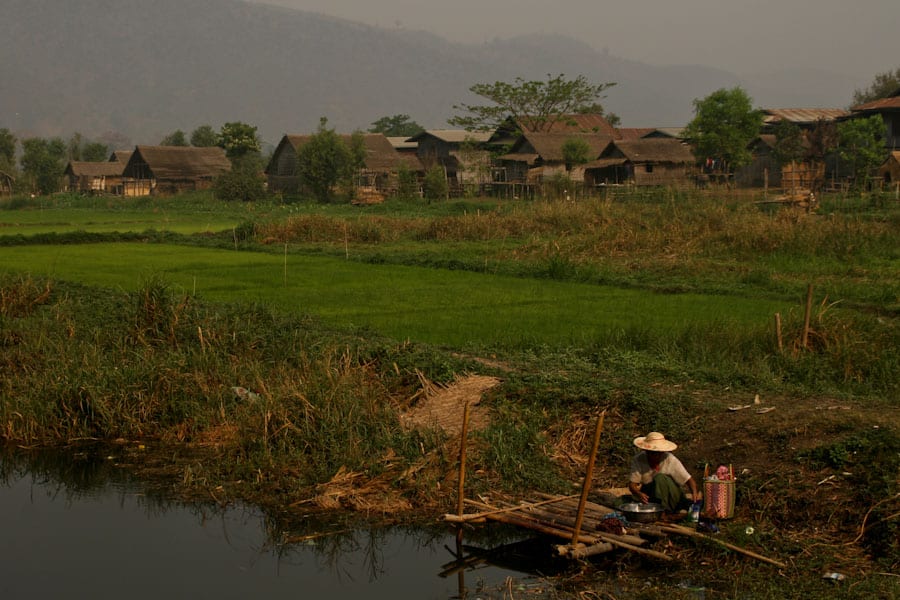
<point x="855" y="37"/>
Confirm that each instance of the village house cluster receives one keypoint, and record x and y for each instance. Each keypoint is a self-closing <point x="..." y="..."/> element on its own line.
<point x="508" y="158"/>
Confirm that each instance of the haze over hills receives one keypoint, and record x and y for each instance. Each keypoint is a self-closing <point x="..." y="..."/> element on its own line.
<point x="145" y="68"/>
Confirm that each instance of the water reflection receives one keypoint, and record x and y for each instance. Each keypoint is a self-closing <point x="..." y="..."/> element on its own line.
<point x="77" y="525"/>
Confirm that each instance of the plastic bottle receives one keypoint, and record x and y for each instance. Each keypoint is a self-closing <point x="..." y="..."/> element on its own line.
<point x="695" y="512"/>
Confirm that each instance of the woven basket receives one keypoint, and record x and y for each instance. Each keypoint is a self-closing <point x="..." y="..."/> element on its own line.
<point x="718" y="497"/>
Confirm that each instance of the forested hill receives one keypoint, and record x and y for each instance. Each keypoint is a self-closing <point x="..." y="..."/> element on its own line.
<point x="144" y="68"/>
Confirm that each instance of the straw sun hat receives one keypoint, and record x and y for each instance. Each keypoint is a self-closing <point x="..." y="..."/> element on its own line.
<point x="654" y="441"/>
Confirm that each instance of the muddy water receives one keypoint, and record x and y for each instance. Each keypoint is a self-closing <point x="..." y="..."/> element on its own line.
<point x="82" y="532"/>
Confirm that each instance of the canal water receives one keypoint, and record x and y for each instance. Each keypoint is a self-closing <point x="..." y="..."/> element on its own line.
<point x="80" y="529"/>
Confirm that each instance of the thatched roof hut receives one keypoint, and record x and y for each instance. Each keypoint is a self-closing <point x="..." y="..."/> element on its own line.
<point x="94" y="177"/>
<point x="542" y="153"/>
<point x="171" y="169"/>
<point x="647" y="161"/>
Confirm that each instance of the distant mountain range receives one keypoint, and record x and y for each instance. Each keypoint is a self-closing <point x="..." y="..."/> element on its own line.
<point x="144" y="68"/>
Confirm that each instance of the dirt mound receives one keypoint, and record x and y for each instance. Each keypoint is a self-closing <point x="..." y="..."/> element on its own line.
<point x="443" y="406"/>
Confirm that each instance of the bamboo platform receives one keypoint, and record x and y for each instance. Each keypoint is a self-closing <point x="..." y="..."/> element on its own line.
<point x="556" y="516"/>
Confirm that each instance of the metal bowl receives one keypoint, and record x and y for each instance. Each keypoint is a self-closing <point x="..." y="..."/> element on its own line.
<point x="637" y="512"/>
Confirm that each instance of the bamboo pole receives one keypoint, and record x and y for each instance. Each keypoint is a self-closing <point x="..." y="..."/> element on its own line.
<point x="462" y="518"/>
<point x="673" y="528"/>
<point x="588" y="478"/>
<point x="574" y="552"/>
<point x="804" y="340"/>
<point x="460" y="495"/>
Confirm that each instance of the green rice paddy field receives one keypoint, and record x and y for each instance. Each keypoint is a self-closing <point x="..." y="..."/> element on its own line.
<point x="443" y="307"/>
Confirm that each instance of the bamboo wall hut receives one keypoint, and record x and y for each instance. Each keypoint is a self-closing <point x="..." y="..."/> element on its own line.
<point x="171" y="169"/>
<point x="643" y="162"/>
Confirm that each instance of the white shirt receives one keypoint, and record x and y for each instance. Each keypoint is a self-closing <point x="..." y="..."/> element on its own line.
<point x="642" y="473"/>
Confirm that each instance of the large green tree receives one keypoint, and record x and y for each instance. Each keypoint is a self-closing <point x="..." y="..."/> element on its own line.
<point x="42" y="162"/>
<point x="397" y="125"/>
<point x="724" y="123"/>
<point x="861" y="146"/>
<point x="882" y="86"/>
<point x="238" y="139"/>
<point x="327" y="160"/>
<point x="535" y="105"/>
<point x="7" y="149"/>
<point x="204" y="137"/>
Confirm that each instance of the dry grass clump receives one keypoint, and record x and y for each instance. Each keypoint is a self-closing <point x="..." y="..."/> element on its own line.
<point x="19" y="296"/>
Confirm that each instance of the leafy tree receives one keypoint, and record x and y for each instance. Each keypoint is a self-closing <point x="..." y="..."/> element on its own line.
<point x="176" y="138"/>
<point x="204" y="137"/>
<point x="324" y="161"/>
<point x="576" y="151"/>
<point x="434" y="185"/>
<point x="238" y="139"/>
<point x="883" y="86"/>
<point x="42" y="161"/>
<point x="725" y="122"/>
<point x="789" y="146"/>
<point x="407" y="182"/>
<point x="95" y="152"/>
<point x="535" y="105"/>
<point x="7" y="149"/>
<point x="397" y="125"/>
<point x="861" y="146"/>
<point x="823" y="139"/>
<point x="244" y="183"/>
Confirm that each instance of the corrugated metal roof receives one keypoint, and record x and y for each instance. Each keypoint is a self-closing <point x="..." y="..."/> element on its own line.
<point x="802" y="115"/>
<point x="453" y="136"/>
<point x="892" y="103"/>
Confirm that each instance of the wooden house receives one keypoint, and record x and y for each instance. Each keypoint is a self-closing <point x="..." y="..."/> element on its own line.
<point x="463" y="155"/>
<point x="642" y="162"/>
<point x="171" y="169"/>
<point x="889" y="109"/>
<point x="381" y="164"/>
<point x="94" y="177"/>
<point x="534" y="157"/>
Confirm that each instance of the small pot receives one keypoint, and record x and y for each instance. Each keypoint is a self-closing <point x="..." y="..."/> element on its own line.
<point x="637" y="512"/>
